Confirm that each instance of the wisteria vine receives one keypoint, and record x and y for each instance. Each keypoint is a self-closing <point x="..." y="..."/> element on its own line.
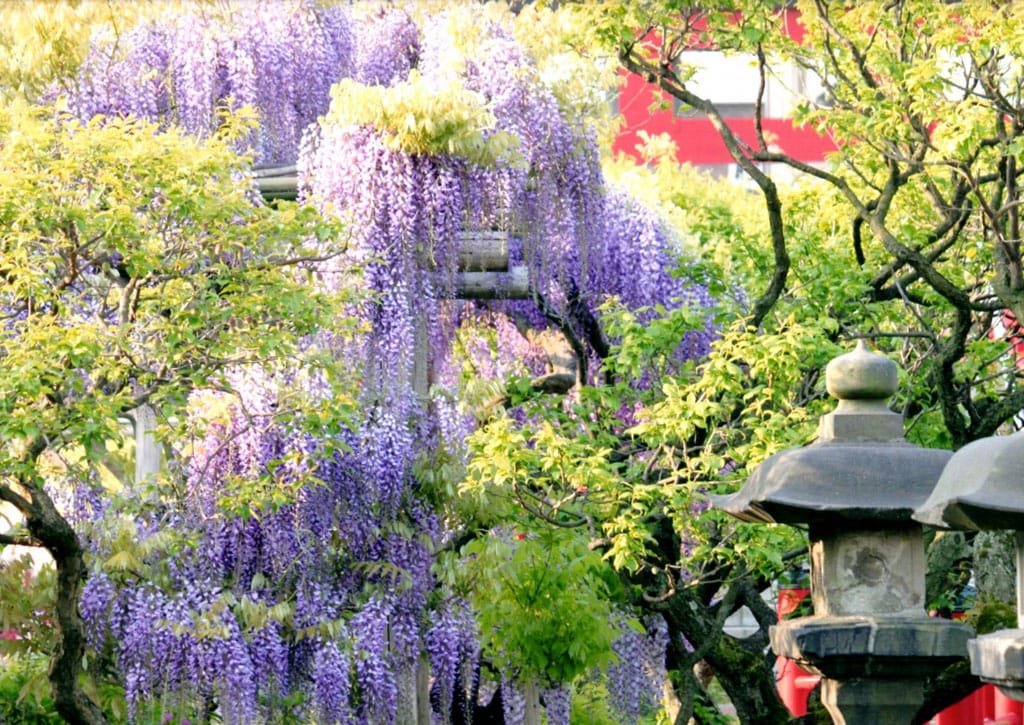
<point x="322" y="603"/>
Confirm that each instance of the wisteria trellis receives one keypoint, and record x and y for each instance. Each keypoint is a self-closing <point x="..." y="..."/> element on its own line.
<point x="346" y="632"/>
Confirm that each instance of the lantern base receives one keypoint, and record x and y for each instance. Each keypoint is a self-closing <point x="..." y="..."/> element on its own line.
<point x="873" y="668"/>
<point x="998" y="658"/>
<point x="881" y="702"/>
<point x="860" y="646"/>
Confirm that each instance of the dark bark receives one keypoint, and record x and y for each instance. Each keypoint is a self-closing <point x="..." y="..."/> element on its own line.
<point x="742" y="672"/>
<point x="54" y="532"/>
<point x="665" y="79"/>
<point x="951" y="685"/>
<point x="976" y="202"/>
<point x="586" y="321"/>
<point x="464" y="707"/>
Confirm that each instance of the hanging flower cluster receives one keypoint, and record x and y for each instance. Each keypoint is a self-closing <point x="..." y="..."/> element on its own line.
<point x="635" y="681"/>
<point x="451" y="644"/>
<point x="320" y="599"/>
<point x="551" y="193"/>
<point x="280" y="58"/>
<point x="387" y="48"/>
<point x="256" y="609"/>
<point x="580" y="240"/>
<point x="638" y="263"/>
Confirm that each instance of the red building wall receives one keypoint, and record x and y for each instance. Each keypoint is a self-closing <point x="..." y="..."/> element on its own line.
<point x="697" y="140"/>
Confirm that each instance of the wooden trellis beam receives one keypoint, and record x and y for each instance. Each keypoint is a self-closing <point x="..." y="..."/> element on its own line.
<point x="484" y="271"/>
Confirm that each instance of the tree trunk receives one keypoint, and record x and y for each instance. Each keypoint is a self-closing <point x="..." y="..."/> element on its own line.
<point x="55" y="533"/>
<point x="748" y="682"/>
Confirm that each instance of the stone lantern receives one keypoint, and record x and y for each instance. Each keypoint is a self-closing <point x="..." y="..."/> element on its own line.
<point x="982" y="488"/>
<point x="856" y="488"/>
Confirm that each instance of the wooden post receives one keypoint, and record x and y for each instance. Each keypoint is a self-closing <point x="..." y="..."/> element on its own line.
<point x="423" y="691"/>
<point x="414" y="687"/>
<point x="148" y="456"/>
<point x="482" y="251"/>
<point x="482" y="256"/>
<point x="531" y="693"/>
<point x="409" y="702"/>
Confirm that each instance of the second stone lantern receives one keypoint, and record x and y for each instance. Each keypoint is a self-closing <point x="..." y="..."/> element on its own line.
<point x="982" y="489"/>
<point x="856" y="488"/>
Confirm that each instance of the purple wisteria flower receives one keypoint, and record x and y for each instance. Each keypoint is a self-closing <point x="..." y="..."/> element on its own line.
<point x="314" y="604"/>
<point x="281" y="58"/>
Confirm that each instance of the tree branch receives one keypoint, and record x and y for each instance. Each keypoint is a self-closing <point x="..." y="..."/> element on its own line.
<point x="19" y="540"/>
<point x="742" y="155"/>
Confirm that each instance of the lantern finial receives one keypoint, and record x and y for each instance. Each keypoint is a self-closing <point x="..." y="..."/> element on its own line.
<point x="861" y="375"/>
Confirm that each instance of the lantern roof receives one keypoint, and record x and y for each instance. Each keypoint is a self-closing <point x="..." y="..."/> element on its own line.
<point x="982" y="487"/>
<point x="859" y="473"/>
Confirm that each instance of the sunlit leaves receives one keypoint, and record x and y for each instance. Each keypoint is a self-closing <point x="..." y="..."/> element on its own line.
<point x="42" y="43"/>
<point x="423" y="116"/>
<point x="135" y="253"/>
<point x="541" y="603"/>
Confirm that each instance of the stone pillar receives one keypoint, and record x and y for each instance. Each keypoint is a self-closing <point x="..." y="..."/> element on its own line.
<point x="881" y="702"/>
<point x="856" y="487"/>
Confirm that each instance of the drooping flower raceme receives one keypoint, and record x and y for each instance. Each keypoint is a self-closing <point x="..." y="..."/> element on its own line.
<point x="635" y="681"/>
<point x="321" y="596"/>
<point x="281" y="58"/>
<point x="387" y="47"/>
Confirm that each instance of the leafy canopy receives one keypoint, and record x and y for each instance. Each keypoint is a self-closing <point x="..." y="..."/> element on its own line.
<point x="423" y="116"/>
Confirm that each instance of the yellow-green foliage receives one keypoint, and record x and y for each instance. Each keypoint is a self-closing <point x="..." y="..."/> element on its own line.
<point x="459" y="23"/>
<point x="584" y="82"/>
<point x="559" y="40"/>
<point x="421" y="116"/>
<point x="42" y="42"/>
<point x="75" y="196"/>
<point x="542" y="604"/>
